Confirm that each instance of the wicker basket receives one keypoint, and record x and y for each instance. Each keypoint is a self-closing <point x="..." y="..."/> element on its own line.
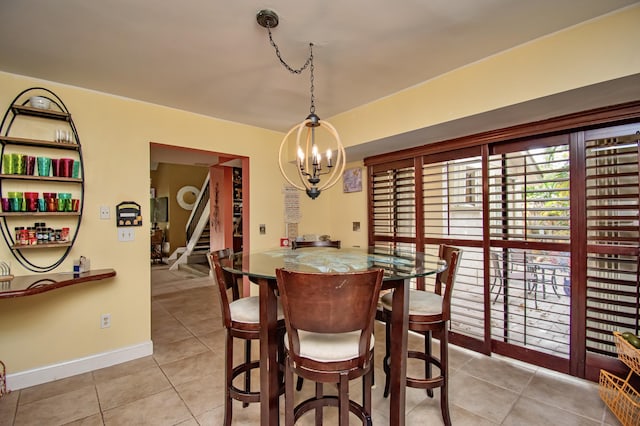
<point x="3" y="380"/>
<point x="627" y="353"/>
<point x="621" y="398"/>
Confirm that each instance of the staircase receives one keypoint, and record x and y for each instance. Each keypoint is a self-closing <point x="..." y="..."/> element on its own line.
<point x="200" y="250"/>
<point x="194" y="255"/>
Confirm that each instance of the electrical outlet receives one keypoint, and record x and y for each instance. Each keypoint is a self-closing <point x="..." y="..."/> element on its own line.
<point x="105" y="320"/>
<point x="105" y="214"/>
<point x="126" y="234"/>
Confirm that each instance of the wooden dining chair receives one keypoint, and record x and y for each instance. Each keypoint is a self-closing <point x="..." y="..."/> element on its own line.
<point x="329" y="338"/>
<point x="241" y="320"/>
<point x="305" y="244"/>
<point x="429" y="313"/>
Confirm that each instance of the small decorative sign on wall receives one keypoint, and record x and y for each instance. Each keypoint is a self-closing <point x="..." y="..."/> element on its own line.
<point x="128" y="214"/>
<point x="352" y="180"/>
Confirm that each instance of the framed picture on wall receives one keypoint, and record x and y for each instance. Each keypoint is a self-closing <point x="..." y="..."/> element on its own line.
<point x="352" y="180"/>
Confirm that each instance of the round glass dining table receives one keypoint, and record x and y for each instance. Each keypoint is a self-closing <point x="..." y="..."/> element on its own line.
<point x="400" y="267"/>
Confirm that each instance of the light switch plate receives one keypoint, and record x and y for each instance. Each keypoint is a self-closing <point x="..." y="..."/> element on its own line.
<point x="126" y="234"/>
<point x="105" y="213"/>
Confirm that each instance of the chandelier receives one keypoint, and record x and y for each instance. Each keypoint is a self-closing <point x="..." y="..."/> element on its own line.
<point x="315" y="173"/>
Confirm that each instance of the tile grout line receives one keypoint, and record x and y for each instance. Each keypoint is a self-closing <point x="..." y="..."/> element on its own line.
<point x="520" y="394"/>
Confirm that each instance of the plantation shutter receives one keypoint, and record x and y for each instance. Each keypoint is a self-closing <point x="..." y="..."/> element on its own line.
<point x="393" y="205"/>
<point x="452" y="210"/>
<point x="529" y="225"/>
<point x="613" y="239"/>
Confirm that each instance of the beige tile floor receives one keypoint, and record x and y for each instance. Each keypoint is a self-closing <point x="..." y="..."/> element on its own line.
<point x="181" y="384"/>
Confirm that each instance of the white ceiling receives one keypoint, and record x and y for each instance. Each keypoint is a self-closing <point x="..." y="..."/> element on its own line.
<point x="212" y="58"/>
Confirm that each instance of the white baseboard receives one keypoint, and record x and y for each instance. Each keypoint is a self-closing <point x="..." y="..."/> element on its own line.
<point x="49" y="373"/>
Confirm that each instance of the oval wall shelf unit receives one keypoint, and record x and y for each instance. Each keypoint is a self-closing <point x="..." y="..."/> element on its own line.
<point x="41" y="179"/>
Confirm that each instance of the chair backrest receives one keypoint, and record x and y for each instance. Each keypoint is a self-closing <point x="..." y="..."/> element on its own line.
<point x="496" y="264"/>
<point x="157" y="237"/>
<point x="447" y="277"/>
<point x="301" y="244"/>
<point x="329" y="303"/>
<point x="226" y="280"/>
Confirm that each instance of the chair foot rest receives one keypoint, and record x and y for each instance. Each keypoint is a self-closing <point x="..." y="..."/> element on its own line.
<point x="243" y="368"/>
<point x="242" y="396"/>
<point x="314" y="403"/>
<point x="424" y="357"/>
<point x="434" y="382"/>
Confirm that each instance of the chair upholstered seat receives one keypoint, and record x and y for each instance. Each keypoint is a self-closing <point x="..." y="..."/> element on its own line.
<point x="247" y="310"/>
<point x="328" y="347"/>
<point x="420" y="303"/>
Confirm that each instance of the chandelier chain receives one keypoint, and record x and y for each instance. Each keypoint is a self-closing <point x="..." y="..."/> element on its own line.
<point x="308" y="63"/>
<point x="312" y="108"/>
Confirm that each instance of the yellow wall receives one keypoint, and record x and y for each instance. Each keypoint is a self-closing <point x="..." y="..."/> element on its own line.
<point x="334" y="212"/>
<point x="62" y="325"/>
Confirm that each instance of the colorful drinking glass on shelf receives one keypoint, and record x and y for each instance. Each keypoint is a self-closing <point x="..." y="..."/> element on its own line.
<point x="30" y="165"/>
<point x="31" y="204"/>
<point x="15" y="204"/>
<point x="65" y="166"/>
<point x="55" y="167"/>
<point x="44" y="166"/>
<point x="52" y="204"/>
<point x="76" y="169"/>
<point x="7" y="164"/>
<point x="31" y="201"/>
<point x="19" y="163"/>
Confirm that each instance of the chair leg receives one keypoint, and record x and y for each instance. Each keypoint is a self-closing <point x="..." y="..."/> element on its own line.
<point x="554" y="284"/>
<point x="228" y="371"/>
<point x="499" y="289"/>
<point x="427" y="365"/>
<point x="343" y="398"/>
<point x="247" y="375"/>
<point x="282" y="360"/>
<point x="532" y="288"/>
<point x="319" y="394"/>
<point x="288" y="393"/>
<point x="387" y="357"/>
<point x="367" y="383"/>
<point x="299" y="384"/>
<point x="444" y="366"/>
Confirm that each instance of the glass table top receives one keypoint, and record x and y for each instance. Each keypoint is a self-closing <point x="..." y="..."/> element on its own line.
<point x="396" y="264"/>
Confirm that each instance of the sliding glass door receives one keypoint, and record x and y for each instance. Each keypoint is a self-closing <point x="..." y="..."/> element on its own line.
<point x="550" y="231"/>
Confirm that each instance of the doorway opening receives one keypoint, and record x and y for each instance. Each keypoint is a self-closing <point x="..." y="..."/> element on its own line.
<point x="199" y="201"/>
